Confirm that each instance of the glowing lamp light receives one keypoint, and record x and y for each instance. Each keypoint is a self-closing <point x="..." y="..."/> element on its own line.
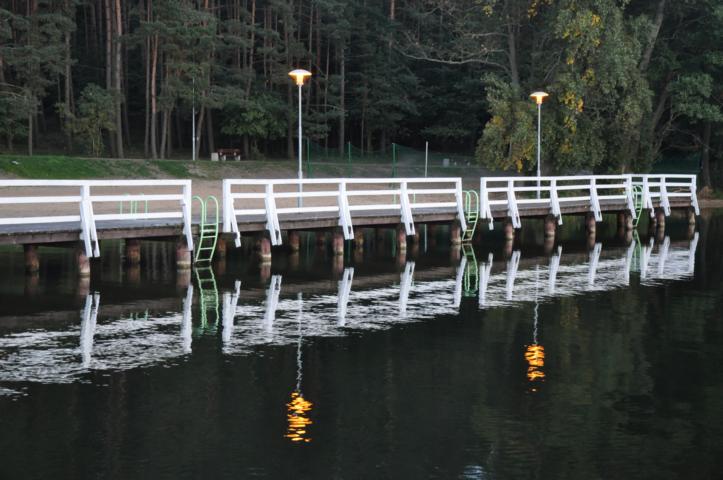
<point x="298" y="410"/>
<point x="299" y="75"/>
<point x="539" y="97"/>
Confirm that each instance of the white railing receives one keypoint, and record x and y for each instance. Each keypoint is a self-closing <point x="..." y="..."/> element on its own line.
<point x="552" y="193"/>
<point x="87" y="196"/>
<point x="664" y="187"/>
<point x="341" y="198"/>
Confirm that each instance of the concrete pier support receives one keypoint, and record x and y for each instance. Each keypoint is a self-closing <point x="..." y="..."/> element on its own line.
<point x="183" y="255"/>
<point x="509" y="230"/>
<point x="82" y="261"/>
<point x="455" y="234"/>
<point x="263" y="244"/>
<point x="294" y="240"/>
<point x="133" y="251"/>
<point x="550" y="226"/>
<point x="32" y="259"/>
<point x="337" y="243"/>
<point x="401" y="239"/>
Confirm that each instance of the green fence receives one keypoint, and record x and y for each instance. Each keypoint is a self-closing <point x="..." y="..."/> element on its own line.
<point x="395" y="161"/>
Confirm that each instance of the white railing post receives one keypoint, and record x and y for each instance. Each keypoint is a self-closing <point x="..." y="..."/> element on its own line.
<point x="484" y="202"/>
<point x="88" y="232"/>
<point x="664" y="202"/>
<point x="555" y="201"/>
<point x="512" y="210"/>
<point x="629" y="194"/>
<point x="406" y="211"/>
<point x="186" y="204"/>
<point x="647" y="199"/>
<point x="460" y="205"/>
<point x="272" y="219"/>
<point x="594" y="202"/>
<point x="227" y="203"/>
<point x="344" y="215"/>
<point x="694" y="194"/>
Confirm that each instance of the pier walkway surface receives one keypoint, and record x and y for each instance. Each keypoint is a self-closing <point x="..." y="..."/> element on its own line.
<point x="35" y="212"/>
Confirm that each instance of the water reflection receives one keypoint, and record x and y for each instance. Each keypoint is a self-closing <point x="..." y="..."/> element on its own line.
<point x="298" y="409"/>
<point x="250" y="318"/>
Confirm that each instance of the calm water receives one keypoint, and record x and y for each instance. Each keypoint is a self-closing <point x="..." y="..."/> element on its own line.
<point x="575" y="360"/>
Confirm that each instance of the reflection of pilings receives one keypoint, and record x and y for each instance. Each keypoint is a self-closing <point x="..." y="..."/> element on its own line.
<point x="272" y="302"/>
<point x="594" y="260"/>
<point x="343" y="295"/>
<point x="87" y="327"/>
<point x="457" y="297"/>
<point x="554" y="267"/>
<point x="405" y="285"/>
<point x="230" y="302"/>
<point x="485" y="271"/>
<point x="663" y="255"/>
<point x="186" y="320"/>
<point x="512" y="265"/>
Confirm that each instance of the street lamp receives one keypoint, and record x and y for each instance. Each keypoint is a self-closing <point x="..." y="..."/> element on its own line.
<point x="539" y="98"/>
<point x="299" y="76"/>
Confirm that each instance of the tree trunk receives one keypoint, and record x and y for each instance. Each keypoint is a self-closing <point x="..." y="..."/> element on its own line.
<point x="199" y="129"/>
<point x="342" y="95"/>
<point x="209" y="132"/>
<point x="117" y="79"/>
<point x="705" y="155"/>
<point x="109" y="63"/>
<point x="154" y="75"/>
<point x="164" y="133"/>
<point x="653" y="36"/>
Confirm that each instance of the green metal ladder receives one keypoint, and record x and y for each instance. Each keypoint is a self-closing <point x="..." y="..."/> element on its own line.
<point x="471" y="215"/>
<point x="208" y="295"/>
<point x="471" y="272"/>
<point x="207" y="232"/>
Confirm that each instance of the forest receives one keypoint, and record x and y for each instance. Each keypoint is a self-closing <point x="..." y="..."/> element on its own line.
<point x="632" y="83"/>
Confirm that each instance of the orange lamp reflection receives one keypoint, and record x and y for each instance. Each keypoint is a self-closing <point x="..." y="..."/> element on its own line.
<point x="535" y="356"/>
<point x="297" y="416"/>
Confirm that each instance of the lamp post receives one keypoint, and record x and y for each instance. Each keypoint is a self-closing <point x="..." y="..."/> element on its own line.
<point x="539" y="98"/>
<point x="299" y="76"/>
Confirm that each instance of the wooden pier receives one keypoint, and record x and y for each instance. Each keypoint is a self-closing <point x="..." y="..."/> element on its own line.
<point x="82" y="213"/>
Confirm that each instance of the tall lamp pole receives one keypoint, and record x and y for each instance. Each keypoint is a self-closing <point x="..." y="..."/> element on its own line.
<point x="299" y="76"/>
<point x="539" y="98"/>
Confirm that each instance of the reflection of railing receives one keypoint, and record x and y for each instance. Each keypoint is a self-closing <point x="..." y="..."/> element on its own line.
<point x="597" y="274"/>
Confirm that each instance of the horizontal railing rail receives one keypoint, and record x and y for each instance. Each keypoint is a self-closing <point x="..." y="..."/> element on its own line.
<point x="339" y="197"/>
<point x="663" y="187"/>
<point x="86" y="195"/>
<point x="552" y="193"/>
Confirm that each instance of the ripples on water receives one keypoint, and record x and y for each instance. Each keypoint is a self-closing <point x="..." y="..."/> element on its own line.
<point x="510" y="313"/>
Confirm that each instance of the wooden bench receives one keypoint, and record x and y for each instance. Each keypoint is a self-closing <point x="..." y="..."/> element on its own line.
<point x="224" y="153"/>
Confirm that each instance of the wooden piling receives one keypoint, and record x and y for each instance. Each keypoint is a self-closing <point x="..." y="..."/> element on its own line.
<point x="82" y="261"/>
<point x="32" y="259"/>
<point x="221" y="248"/>
<point x="294" y="240"/>
<point x="401" y="238"/>
<point x="629" y="222"/>
<point x="590" y="223"/>
<point x="509" y="230"/>
<point x="183" y="254"/>
<point x="691" y="216"/>
<point x="264" y="248"/>
<point x="338" y="243"/>
<point x="660" y="218"/>
<point x="359" y="239"/>
<point x="133" y="251"/>
<point x="550" y="226"/>
<point x="455" y="233"/>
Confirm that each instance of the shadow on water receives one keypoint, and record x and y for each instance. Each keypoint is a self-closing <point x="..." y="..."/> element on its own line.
<point x="572" y="358"/>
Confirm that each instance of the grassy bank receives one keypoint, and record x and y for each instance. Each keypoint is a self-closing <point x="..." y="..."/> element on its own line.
<point x="64" y="167"/>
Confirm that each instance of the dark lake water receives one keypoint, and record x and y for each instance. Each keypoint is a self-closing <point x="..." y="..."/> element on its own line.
<point x="575" y="360"/>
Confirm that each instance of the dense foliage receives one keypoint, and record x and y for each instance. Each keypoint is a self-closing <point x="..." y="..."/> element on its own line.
<point x="629" y="80"/>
